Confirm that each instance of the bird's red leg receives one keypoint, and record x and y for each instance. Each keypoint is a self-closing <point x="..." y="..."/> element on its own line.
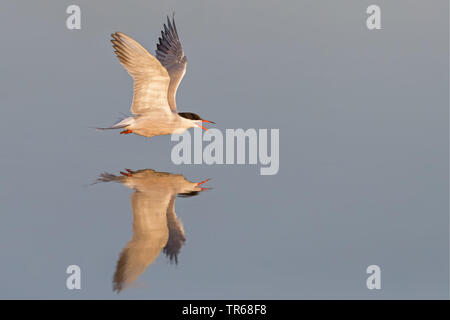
<point x="129" y="170"/>
<point x="125" y="174"/>
<point x="126" y="131"/>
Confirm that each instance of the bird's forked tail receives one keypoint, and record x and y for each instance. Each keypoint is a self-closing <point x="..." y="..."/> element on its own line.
<point x="121" y="124"/>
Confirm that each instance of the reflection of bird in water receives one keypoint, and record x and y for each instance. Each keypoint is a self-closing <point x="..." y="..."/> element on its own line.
<point x="156" y="82"/>
<point x="156" y="226"/>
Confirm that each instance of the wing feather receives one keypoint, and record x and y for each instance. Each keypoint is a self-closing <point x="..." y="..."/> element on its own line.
<point x="170" y="53"/>
<point x="176" y="233"/>
<point x="151" y="79"/>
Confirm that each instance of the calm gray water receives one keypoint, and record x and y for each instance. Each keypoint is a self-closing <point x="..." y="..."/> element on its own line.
<point x="364" y="150"/>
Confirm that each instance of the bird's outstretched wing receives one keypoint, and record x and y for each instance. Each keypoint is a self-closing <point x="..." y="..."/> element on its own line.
<point x="176" y="233"/>
<point x="170" y="53"/>
<point x="150" y="234"/>
<point x="151" y="80"/>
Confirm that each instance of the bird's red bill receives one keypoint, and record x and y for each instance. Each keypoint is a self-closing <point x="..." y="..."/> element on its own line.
<point x="202" y="127"/>
<point x="200" y="183"/>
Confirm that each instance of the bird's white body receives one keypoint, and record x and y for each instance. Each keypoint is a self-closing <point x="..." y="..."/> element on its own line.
<point x="154" y="124"/>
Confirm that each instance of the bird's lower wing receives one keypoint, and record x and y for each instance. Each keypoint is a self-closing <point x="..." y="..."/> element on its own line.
<point x="150" y="234"/>
<point x="151" y="80"/>
<point x="176" y="233"/>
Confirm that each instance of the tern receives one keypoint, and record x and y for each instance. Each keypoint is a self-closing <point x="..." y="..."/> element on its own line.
<point x="156" y="81"/>
<point x="156" y="226"/>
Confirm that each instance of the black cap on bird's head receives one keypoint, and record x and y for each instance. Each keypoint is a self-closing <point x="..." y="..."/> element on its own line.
<point x="194" y="117"/>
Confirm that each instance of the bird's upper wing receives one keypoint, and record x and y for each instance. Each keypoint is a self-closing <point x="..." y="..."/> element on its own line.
<point x="151" y="80"/>
<point x="170" y="53"/>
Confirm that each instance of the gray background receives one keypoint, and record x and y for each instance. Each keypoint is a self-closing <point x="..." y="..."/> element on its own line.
<point x="363" y="118"/>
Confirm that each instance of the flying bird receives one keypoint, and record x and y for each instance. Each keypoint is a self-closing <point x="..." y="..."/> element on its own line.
<point x="156" y="226"/>
<point x="156" y="81"/>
